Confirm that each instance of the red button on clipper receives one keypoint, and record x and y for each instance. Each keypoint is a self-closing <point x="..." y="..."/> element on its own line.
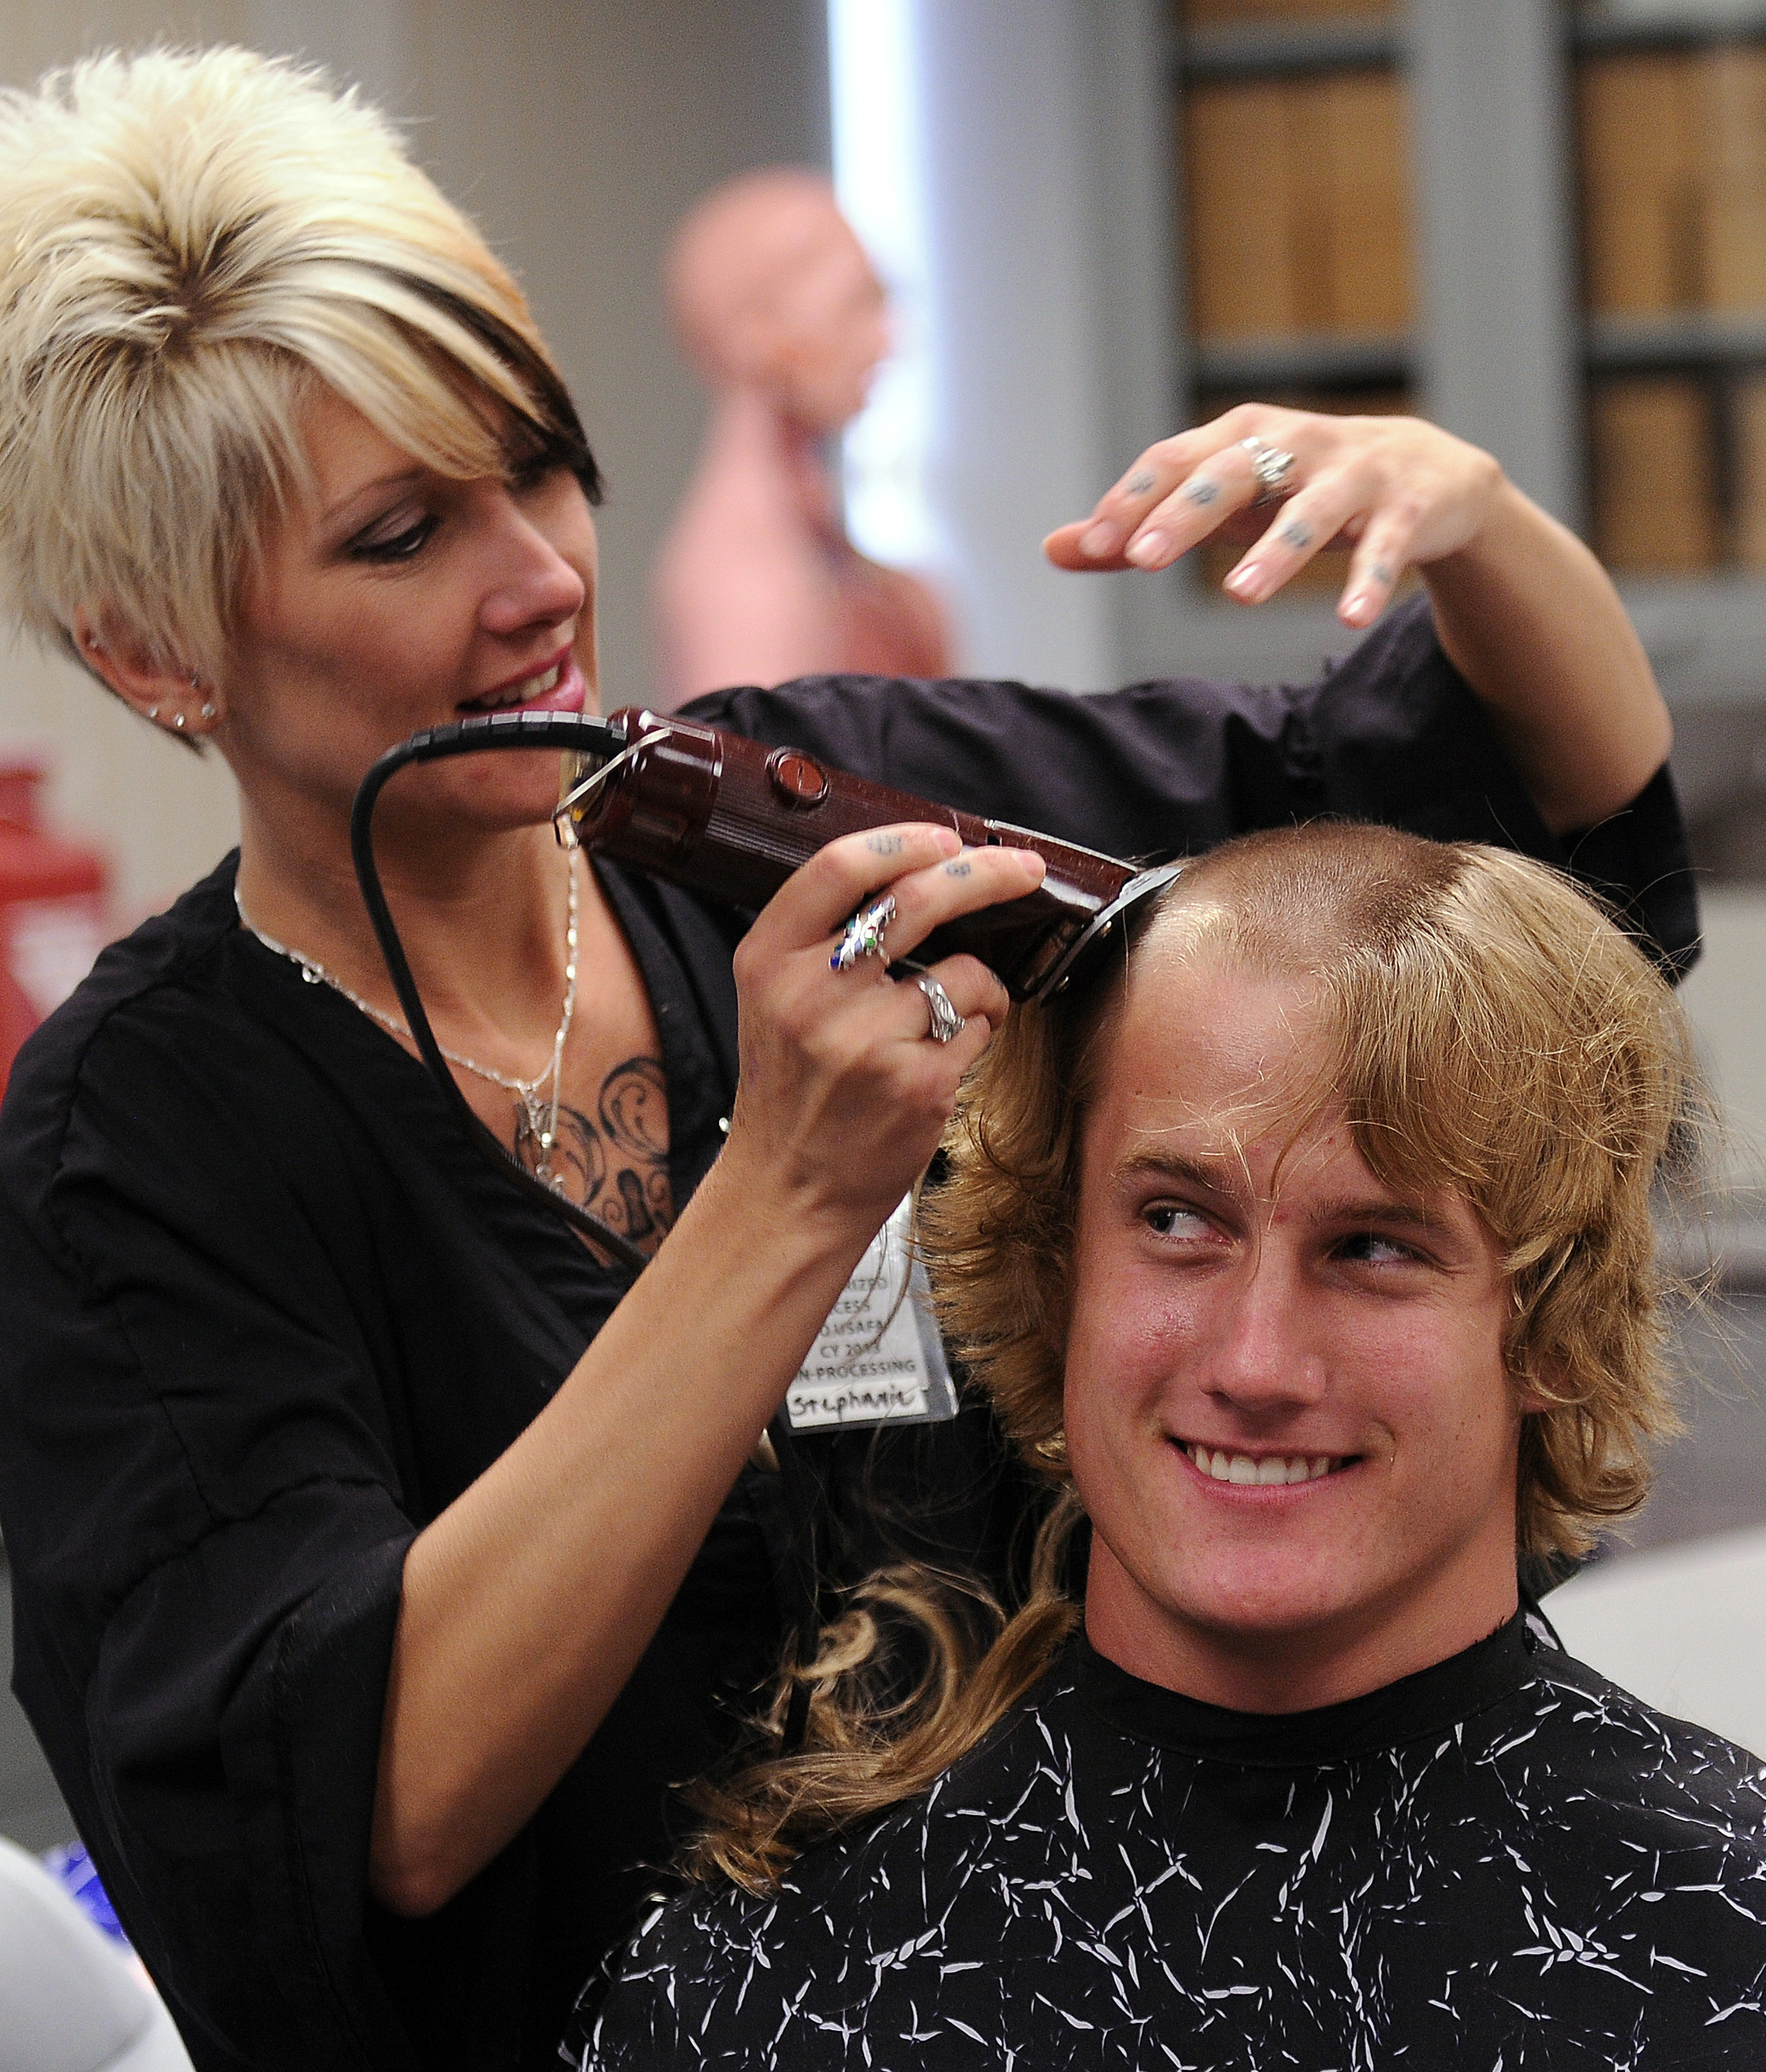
<point x="797" y="779"/>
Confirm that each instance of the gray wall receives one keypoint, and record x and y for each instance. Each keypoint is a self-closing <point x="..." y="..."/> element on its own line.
<point x="1017" y="319"/>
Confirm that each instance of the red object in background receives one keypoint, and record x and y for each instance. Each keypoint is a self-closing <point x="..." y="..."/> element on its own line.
<point x="54" y="897"/>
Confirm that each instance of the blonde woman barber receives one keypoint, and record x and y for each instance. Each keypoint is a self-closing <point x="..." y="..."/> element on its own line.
<point x="383" y="1554"/>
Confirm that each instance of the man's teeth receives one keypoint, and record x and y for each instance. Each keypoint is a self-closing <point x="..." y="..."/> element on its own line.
<point x="1224" y="1467"/>
<point x="518" y="694"/>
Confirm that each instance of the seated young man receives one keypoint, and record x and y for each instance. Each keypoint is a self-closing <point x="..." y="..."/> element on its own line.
<point x="1313" y="1260"/>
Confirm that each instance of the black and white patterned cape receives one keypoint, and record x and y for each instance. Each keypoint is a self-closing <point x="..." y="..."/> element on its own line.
<point x="1503" y="1863"/>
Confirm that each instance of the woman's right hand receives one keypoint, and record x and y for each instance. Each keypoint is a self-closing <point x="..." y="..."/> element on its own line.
<point x="843" y="1095"/>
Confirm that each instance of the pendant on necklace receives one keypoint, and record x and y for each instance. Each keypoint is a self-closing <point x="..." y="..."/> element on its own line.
<point x="537" y="1130"/>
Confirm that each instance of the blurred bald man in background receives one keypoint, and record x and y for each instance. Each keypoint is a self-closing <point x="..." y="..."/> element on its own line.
<point x="779" y="307"/>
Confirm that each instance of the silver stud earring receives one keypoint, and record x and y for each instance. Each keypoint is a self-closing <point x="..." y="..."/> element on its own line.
<point x="209" y="709"/>
<point x="178" y="722"/>
<point x="153" y="712"/>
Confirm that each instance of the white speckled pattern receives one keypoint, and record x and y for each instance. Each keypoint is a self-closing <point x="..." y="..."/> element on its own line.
<point x="1502" y="1865"/>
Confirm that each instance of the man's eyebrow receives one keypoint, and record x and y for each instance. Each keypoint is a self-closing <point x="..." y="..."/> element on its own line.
<point x="1226" y="1175"/>
<point x="1379" y="1209"/>
<point x="1216" y="1175"/>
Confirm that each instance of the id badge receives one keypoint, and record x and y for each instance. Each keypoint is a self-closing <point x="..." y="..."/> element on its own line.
<point x="878" y="1359"/>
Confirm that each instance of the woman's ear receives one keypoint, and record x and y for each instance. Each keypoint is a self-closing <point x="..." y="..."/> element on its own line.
<point x="169" y="694"/>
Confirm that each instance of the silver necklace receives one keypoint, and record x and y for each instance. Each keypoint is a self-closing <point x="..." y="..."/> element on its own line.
<point x="541" y="1116"/>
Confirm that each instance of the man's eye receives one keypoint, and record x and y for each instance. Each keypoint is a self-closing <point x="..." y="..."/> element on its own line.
<point x="1172" y="1220"/>
<point x="399" y="545"/>
<point x="1370" y="1248"/>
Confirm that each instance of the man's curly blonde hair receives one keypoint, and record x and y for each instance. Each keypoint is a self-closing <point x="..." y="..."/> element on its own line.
<point x="1491" y="1032"/>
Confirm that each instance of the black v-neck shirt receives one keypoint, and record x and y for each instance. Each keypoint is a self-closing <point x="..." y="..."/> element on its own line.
<point x="265" y="1312"/>
<point x="1503" y="1861"/>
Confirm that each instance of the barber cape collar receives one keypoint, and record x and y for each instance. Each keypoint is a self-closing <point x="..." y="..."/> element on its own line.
<point x="879" y="1359"/>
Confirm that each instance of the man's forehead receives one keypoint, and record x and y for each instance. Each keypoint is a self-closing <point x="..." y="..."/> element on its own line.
<point x="1229" y="1148"/>
<point x="1210" y="1062"/>
<point x="1233" y="1075"/>
<point x="1207" y="1018"/>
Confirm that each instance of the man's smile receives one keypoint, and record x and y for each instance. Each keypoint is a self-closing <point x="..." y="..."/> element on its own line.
<point x="1264" y="1470"/>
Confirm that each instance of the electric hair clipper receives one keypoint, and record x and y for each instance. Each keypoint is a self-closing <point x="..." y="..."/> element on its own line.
<point x="722" y="815"/>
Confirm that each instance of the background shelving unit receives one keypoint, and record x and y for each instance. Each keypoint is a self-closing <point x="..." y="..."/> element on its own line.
<point x="1296" y="215"/>
<point x="1634" y="410"/>
<point x="1669" y="113"/>
<point x="1670" y="117"/>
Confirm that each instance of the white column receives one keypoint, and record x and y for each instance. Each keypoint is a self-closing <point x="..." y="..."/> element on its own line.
<point x="1016" y="445"/>
<point x="1497" y="290"/>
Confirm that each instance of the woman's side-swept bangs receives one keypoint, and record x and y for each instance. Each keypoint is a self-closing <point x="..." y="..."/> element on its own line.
<point x="189" y="243"/>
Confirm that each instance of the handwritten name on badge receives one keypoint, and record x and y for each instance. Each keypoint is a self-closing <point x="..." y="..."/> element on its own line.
<point x="878" y="1359"/>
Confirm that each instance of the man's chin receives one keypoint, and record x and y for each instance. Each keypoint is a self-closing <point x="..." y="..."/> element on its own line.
<point x="1264" y="1599"/>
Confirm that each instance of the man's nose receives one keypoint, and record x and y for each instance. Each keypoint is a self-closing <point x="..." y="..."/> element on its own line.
<point x="1264" y="1355"/>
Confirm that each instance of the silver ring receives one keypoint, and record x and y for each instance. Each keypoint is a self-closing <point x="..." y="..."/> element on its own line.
<point x="1272" y="465"/>
<point x="863" y="933"/>
<point x="946" y="1022"/>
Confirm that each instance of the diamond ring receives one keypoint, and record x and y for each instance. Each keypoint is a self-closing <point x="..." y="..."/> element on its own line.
<point x="1272" y="465"/>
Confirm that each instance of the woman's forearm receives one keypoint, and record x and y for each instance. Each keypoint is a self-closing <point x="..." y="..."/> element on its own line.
<point x="528" y="1602"/>
<point x="1524" y="610"/>
<point x="1532" y="623"/>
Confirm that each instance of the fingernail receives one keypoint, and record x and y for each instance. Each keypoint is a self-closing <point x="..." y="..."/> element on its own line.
<point x="1099" y="540"/>
<point x="1149" y="551"/>
<point x="1246" y="581"/>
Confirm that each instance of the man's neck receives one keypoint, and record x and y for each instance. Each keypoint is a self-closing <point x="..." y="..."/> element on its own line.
<point x="1296" y="1668"/>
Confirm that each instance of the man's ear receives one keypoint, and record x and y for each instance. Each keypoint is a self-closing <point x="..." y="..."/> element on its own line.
<point x="169" y="694"/>
<point x="1531" y="1402"/>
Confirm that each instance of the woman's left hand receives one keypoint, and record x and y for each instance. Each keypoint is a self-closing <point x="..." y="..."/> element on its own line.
<point x="1522" y="609"/>
<point x="1404" y="492"/>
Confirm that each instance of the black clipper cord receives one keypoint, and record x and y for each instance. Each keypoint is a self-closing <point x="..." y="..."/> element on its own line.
<point x="585" y="735"/>
<point x="473" y="737"/>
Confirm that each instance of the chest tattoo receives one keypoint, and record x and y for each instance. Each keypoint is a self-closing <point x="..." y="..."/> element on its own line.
<point x="616" y="1162"/>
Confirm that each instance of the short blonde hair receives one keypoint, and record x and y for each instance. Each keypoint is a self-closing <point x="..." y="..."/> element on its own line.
<point x="189" y="241"/>
<point x="1491" y="1032"/>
